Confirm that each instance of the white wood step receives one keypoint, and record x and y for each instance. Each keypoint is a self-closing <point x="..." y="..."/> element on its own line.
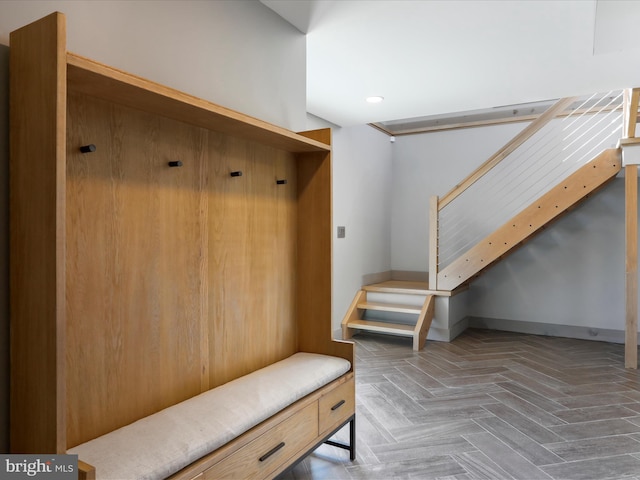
<point x="353" y="320"/>
<point x="390" y="307"/>
<point x="399" y="286"/>
<point x="382" y="327"/>
<point x="408" y="287"/>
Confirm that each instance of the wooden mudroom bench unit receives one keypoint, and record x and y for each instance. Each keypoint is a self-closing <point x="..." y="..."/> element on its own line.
<point x="294" y="405"/>
<point x="164" y="251"/>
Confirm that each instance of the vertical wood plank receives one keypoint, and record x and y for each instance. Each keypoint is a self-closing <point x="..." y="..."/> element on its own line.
<point x="252" y="257"/>
<point x="433" y="242"/>
<point x="203" y="219"/>
<point x="424" y="323"/>
<point x="314" y="275"/>
<point x="631" y="267"/>
<point x="37" y="76"/>
<point x="134" y="263"/>
<point x="353" y="313"/>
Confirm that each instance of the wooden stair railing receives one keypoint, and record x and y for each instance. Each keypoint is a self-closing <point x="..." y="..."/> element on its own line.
<point x="354" y="319"/>
<point x="551" y="113"/>
<point x="524" y="225"/>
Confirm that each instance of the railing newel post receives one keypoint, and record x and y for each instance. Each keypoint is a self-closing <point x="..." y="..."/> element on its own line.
<point x="433" y="241"/>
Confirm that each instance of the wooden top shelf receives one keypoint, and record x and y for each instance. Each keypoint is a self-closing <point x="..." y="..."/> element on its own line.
<point x="101" y="81"/>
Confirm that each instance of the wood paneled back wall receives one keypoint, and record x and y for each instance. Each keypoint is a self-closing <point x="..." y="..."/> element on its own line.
<point x="179" y="279"/>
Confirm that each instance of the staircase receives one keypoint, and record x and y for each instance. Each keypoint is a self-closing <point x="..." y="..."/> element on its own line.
<point x="421" y="308"/>
<point x="545" y="171"/>
<point x="535" y="217"/>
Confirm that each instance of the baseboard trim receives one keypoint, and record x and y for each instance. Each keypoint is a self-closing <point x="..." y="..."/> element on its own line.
<point x="548" y="329"/>
<point x="518" y="326"/>
<point x="409" y="276"/>
<point x="458" y="328"/>
<point x="379" y="277"/>
<point x="406" y="275"/>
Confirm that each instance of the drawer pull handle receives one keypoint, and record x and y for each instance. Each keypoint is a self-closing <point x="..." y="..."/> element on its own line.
<point x="337" y="405"/>
<point x="271" y="452"/>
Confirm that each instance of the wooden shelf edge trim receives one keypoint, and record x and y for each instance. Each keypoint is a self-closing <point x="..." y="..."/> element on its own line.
<point x="102" y="81"/>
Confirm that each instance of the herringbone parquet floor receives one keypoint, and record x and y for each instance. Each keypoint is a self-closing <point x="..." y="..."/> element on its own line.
<point x="489" y="405"/>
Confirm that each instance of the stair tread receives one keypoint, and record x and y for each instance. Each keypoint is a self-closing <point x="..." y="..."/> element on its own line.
<point x="391" y="307"/>
<point x="399" y="286"/>
<point x="383" y="327"/>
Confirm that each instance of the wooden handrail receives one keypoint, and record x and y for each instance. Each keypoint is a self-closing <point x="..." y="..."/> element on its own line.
<point x="501" y="154"/>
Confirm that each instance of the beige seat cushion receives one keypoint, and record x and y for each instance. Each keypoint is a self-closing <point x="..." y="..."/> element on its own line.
<point x="163" y="443"/>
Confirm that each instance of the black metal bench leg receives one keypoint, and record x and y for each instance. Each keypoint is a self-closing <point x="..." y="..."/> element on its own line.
<point x="352" y="439"/>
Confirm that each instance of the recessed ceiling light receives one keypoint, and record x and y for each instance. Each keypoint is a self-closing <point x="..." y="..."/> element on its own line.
<point x="375" y="99"/>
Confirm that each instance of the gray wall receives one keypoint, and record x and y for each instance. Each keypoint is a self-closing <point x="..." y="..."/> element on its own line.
<point x="362" y="172"/>
<point x="237" y="53"/>
<point x="432" y="164"/>
<point x="571" y="274"/>
<point x="362" y="182"/>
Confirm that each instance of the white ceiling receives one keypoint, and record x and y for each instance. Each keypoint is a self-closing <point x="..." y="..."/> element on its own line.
<point x="431" y="57"/>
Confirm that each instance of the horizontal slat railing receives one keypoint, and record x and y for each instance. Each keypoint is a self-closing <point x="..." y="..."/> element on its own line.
<point x="567" y="136"/>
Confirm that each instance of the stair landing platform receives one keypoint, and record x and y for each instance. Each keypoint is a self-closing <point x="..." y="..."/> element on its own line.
<point x="409" y="287"/>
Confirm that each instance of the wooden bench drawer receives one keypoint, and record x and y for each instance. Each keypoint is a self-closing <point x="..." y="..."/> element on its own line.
<point x="264" y="454"/>
<point x="337" y="406"/>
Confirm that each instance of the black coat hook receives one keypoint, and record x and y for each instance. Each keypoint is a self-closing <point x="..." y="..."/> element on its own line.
<point x="176" y="163"/>
<point x="88" y="148"/>
<point x="236" y="174"/>
<point x="281" y="182"/>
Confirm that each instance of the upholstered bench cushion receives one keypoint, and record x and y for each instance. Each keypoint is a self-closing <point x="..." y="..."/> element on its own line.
<point x="163" y="443"/>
